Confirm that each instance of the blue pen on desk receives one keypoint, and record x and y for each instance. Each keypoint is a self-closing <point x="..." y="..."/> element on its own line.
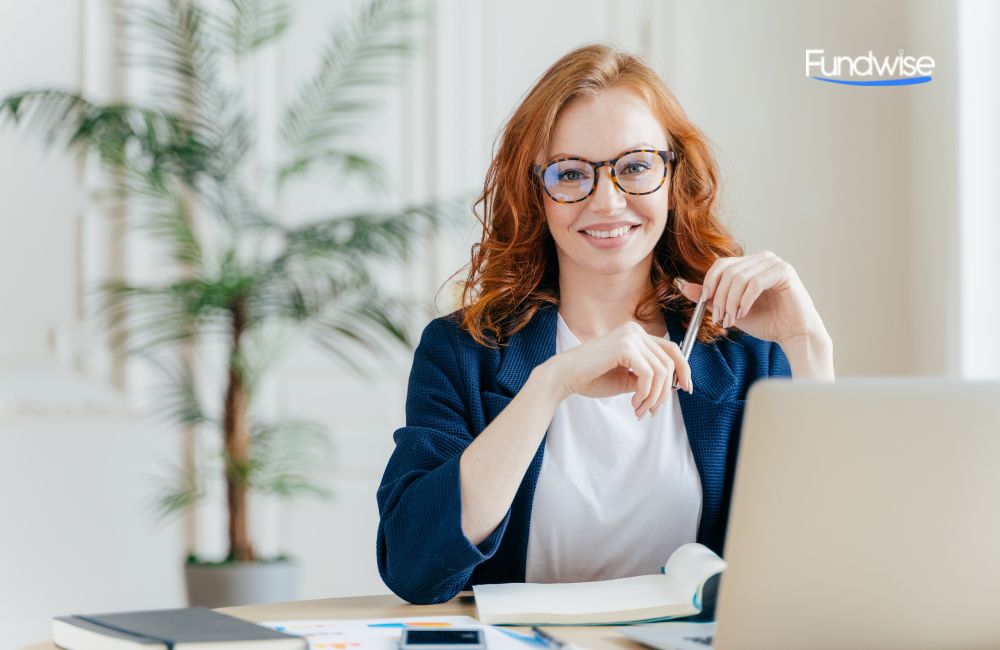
<point x="530" y="639"/>
<point x="549" y="641"/>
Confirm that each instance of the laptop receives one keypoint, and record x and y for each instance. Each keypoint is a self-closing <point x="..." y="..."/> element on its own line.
<point x="865" y="514"/>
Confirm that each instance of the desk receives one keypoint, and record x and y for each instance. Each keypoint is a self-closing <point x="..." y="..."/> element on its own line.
<point x="599" y="638"/>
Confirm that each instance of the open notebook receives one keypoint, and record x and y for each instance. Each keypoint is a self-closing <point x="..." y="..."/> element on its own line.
<point x="673" y="593"/>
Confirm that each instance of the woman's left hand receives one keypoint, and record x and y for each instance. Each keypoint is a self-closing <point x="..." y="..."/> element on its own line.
<point x="762" y="295"/>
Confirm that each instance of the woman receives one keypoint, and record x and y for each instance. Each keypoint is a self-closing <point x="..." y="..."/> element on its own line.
<point x="543" y="442"/>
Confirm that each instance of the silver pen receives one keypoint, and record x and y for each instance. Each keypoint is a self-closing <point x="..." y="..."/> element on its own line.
<point x="692" y="331"/>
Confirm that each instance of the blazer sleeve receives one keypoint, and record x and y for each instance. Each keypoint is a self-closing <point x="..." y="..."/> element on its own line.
<point x="423" y="555"/>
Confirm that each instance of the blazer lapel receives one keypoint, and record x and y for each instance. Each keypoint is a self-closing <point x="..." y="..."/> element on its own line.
<point x="531" y="345"/>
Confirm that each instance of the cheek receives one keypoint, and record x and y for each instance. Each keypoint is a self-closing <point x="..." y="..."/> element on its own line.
<point x="560" y="217"/>
<point x="652" y="208"/>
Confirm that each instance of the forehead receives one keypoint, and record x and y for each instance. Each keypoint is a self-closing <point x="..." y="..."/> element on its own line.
<point x="601" y="126"/>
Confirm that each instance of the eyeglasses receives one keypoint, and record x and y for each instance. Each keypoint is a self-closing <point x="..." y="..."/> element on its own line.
<point x="571" y="180"/>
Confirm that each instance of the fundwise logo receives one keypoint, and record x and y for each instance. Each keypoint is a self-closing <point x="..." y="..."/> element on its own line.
<point x="868" y="69"/>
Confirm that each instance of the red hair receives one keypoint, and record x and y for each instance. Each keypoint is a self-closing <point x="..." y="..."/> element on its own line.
<point x="514" y="269"/>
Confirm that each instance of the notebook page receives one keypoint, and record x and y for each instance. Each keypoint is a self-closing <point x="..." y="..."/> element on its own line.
<point x="688" y="567"/>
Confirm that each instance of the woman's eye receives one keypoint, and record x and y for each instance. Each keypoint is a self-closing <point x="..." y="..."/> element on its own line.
<point x="571" y="175"/>
<point x="635" y="168"/>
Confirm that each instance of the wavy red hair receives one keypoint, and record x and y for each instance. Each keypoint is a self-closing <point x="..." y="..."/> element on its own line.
<point x="514" y="269"/>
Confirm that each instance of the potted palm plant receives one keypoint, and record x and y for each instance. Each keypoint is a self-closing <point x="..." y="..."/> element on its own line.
<point x="241" y="279"/>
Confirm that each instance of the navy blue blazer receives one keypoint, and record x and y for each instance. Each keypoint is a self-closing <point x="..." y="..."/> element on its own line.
<point x="457" y="387"/>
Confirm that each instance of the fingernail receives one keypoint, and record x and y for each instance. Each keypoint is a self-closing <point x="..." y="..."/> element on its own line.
<point x="725" y="320"/>
<point x="704" y="293"/>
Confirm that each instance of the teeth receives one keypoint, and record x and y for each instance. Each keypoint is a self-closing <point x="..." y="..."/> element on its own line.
<point x="602" y="234"/>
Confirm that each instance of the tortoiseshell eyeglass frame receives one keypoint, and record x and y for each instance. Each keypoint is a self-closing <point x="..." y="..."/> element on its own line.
<point x="666" y="154"/>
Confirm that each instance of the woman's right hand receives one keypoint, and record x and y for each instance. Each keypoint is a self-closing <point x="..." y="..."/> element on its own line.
<point x="625" y="360"/>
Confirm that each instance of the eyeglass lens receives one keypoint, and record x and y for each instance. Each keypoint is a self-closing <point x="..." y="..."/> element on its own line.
<point x="635" y="173"/>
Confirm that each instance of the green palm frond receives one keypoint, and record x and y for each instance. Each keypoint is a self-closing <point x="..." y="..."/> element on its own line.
<point x="177" y="395"/>
<point x="169" y="39"/>
<point x="289" y="458"/>
<point x="177" y="493"/>
<point x="361" y="54"/>
<point x="249" y="24"/>
<point x="171" y="222"/>
<point x="143" y="319"/>
<point x="263" y="344"/>
<point x="362" y="326"/>
<point x="324" y="278"/>
<point x="347" y="162"/>
<point x="178" y="42"/>
<point x="166" y="144"/>
<point x="228" y="132"/>
<point x="372" y="235"/>
<point x="303" y="289"/>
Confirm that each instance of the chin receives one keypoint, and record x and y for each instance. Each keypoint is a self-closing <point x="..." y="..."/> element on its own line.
<point x="611" y="266"/>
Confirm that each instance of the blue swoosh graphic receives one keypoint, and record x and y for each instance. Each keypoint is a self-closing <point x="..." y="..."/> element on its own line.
<point x="906" y="81"/>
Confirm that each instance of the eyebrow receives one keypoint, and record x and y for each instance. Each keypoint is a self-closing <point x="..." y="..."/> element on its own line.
<point x="637" y="145"/>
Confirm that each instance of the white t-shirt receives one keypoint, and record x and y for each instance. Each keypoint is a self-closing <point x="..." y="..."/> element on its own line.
<point x="616" y="496"/>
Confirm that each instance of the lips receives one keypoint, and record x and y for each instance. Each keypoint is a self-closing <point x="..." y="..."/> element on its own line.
<point x="612" y="238"/>
<point x="606" y="226"/>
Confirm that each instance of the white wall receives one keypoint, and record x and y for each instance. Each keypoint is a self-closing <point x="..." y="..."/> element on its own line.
<point x="932" y="199"/>
<point x="979" y="190"/>
<point x="836" y="180"/>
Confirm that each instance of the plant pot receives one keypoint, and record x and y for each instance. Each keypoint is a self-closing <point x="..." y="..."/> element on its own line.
<point x="227" y="584"/>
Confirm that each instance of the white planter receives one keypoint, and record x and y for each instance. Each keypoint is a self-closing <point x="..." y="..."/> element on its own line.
<point x="241" y="583"/>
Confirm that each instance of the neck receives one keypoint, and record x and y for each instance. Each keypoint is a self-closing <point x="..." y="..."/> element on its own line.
<point x="592" y="304"/>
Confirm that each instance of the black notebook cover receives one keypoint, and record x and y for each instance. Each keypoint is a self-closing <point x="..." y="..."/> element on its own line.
<point x="170" y="626"/>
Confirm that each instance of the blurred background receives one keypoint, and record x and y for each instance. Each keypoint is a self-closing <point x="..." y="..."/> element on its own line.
<point x="885" y="200"/>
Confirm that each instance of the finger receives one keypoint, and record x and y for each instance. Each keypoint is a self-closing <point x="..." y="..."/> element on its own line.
<point x="682" y="369"/>
<point x="764" y="280"/>
<point x="661" y="374"/>
<point x="643" y="372"/>
<point x="742" y="275"/>
<point x="667" y="364"/>
<point x="713" y="276"/>
<point x="690" y="290"/>
<point x="725" y="284"/>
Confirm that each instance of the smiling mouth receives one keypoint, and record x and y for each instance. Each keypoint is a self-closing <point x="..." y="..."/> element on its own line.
<point x="610" y="234"/>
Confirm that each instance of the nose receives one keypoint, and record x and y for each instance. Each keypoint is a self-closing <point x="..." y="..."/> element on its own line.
<point x="607" y="199"/>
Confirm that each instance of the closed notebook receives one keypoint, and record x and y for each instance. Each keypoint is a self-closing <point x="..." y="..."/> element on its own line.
<point x="193" y="628"/>
<point x="674" y="593"/>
